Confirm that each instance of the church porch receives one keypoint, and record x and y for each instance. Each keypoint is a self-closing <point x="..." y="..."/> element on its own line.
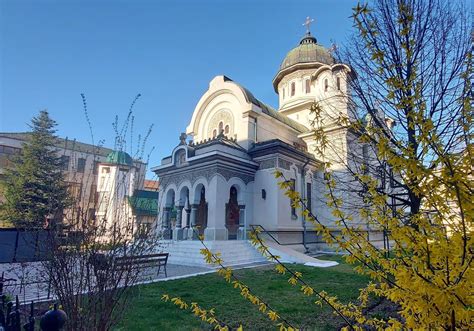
<point x="206" y="191"/>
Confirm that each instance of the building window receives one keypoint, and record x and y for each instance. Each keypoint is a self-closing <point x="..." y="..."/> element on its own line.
<point x="64" y="162"/>
<point x="293" y="88"/>
<point x="96" y="167"/>
<point x="365" y="159"/>
<point x="103" y="201"/>
<point x="326" y="85"/>
<point x="381" y="177"/>
<point x="91" y="214"/>
<point x="105" y="170"/>
<point x="227" y="129"/>
<point x="308" y="197"/>
<point x="101" y="183"/>
<point x="9" y="150"/>
<point x="214" y="133"/>
<point x="180" y="157"/>
<point x="93" y="195"/>
<point x="143" y="230"/>
<point x="75" y="190"/>
<point x="293" y="188"/>
<point x="7" y="154"/>
<point x="221" y="127"/>
<point x="307" y="86"/>
<point x="338" y="83"/>
<point x="81" y="165"/>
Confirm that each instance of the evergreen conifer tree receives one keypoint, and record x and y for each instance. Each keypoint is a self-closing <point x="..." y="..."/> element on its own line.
<point x="34" y="187"/>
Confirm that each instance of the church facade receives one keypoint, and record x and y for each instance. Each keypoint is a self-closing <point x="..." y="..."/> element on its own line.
<point x="222" y="181"/>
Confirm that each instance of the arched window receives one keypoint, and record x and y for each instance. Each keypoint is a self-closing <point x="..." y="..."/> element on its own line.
<point x="293" y="88"/>
<point x="326" y="85"/>
<point x="227" y="129"/>
<point x="307" y="86"/>
<point x="180" y="157"/>
<point x="338" y="83"/>
<point x="221" y="127"/>
<point x="233" y="195"/>
<point x="214" y="133"/>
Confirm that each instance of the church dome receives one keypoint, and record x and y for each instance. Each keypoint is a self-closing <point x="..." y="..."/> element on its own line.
<point x="303" y="56"/>
<point x="307" y="51"/>
<point x="119" y="158"/>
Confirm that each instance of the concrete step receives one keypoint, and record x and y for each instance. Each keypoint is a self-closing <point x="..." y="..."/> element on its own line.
<point x="232" y="252"/>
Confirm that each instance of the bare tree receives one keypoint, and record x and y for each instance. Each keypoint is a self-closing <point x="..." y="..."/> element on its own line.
<point x="88" y="264"/>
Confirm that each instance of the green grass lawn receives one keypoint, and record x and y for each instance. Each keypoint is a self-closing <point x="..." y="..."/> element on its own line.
<point x="148" y="312"/>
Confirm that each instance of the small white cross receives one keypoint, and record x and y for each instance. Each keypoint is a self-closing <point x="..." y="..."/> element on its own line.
<point x="307" y="23"/>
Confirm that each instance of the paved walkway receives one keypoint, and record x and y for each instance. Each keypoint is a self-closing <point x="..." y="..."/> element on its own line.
<point x="29" y="278"/>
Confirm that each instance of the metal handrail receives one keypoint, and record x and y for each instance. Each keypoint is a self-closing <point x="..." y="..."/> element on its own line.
<point x="269" y="233"/>
<point x="253" y="226"/>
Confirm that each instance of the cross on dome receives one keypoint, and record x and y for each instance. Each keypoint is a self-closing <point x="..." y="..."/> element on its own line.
<point x="307" y="23"/>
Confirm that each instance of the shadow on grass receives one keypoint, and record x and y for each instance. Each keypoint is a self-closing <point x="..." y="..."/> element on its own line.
<point x="148" y="312"/>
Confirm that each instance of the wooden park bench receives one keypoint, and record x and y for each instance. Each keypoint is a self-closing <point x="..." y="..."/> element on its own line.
<point x="137" y="261"/>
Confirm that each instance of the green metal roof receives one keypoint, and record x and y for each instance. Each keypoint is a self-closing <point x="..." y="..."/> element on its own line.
<point x="307" y="51"/>
<point x="144" y="203"/>
<point x="119" y="157"/>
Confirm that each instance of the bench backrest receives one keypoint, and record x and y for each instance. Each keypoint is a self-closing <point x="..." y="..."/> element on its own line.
<point x="160" y="258"/>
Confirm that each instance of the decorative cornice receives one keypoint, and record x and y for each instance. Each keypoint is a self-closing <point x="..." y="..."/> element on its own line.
<point x="207" y="173"/>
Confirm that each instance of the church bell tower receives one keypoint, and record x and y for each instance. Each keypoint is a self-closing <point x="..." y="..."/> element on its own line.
<point x="310" y="73"/>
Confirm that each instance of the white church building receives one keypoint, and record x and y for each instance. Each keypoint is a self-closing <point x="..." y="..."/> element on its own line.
<point x="220" y="179"/>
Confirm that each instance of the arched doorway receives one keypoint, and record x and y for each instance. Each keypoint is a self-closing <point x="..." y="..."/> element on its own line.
<point x="183" y="209"/>
<point x="201" y="213"/>
<point x="169" y="215"/>
<point x="232" y="214"/>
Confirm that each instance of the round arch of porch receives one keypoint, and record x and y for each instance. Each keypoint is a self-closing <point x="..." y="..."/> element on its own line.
<point x="240" y="187"/>
<point x="170" y="195"/>
<point x="195" y="192"/>
<point x="235" y="213"/>
<point x="184" y="190"/>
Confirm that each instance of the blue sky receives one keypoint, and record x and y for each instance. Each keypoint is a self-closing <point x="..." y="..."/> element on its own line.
<point x="54" y="50"/>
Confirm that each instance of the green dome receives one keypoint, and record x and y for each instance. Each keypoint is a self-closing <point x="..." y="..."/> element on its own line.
<point x="307" y="51"/>
<point x="119" y="157"/>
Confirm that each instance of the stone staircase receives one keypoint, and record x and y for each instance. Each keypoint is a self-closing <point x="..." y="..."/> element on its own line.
<point x="235" y="253"/>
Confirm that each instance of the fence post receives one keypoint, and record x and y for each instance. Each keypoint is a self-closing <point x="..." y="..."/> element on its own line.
<point x="9" y="311"/>
<point x="30" y="326"/>
<point x="17" y="321"/>
<point x="16" y="245"/>
<point x="2" y="303"/>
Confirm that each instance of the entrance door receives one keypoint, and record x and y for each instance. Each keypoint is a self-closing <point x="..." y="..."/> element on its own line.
<point x="201" y="217"/>
<point x="232" y="214"/>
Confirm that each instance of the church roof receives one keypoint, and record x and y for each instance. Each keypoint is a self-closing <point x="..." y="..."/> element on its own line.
<point x="144" y="203"/>
<point x="219" y="139"/>
<point x="308" y="50"/>
<point x="120" y="158"/>
<point x="266" y="109"/>
<point x="305" y="55"/>
<point x="277" y="146"/>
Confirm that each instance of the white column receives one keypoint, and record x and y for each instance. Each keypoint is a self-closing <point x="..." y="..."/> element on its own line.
<point x="192" y="231"/>
<point x="178" y="231"/>
<point x="216" y="195"/>
<point x="166" y="223"/>
<point x="242" y="223"/>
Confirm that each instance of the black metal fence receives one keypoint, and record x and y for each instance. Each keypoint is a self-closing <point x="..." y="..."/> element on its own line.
<point x="20" y="245"/>
<point x="12" y="317"/>
<point x="15" y="317"/>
